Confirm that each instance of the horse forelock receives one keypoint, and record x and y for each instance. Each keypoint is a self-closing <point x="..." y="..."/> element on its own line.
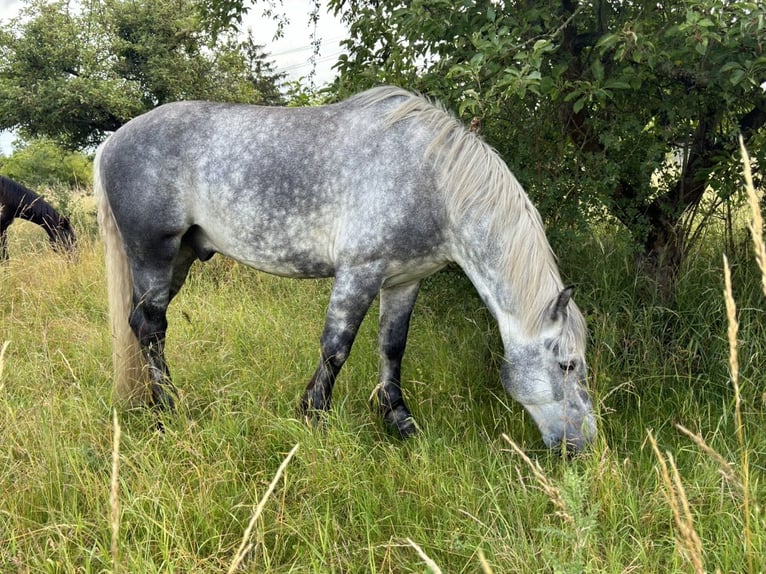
<point x="573" y="334"/>
<point x="480" y="189"/>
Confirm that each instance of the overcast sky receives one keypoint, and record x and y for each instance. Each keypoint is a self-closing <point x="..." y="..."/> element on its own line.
<point x="291" y="53"/>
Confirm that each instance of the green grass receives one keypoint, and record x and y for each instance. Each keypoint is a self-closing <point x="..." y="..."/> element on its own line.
<point x="242" y="346"/>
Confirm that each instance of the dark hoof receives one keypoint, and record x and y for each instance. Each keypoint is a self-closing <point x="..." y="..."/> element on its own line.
<point x="401" y="421"/>
<point x="162" y="400"/>
<point x="407" y="428"/>
<point x="310" y="414"/>
<point x="314" y="400"/>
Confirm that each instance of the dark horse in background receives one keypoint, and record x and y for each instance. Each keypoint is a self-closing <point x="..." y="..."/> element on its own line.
<point x="19" y="201"/>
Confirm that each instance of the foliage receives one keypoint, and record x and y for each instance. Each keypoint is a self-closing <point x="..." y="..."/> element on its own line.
<point x="43" y="162"/>
<point x="298" y="94"/>
<point x="221" y="16"/>
<point x="74" y="74"/>
<point x="600" y="106"/>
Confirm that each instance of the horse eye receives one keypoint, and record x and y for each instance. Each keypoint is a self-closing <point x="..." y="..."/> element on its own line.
<point x="567" y="367"/>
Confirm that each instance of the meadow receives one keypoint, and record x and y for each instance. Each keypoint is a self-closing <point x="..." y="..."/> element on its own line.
<point x="673" y="483"/>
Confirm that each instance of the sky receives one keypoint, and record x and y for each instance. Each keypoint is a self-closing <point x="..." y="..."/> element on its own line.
<point x="291" y="53"/>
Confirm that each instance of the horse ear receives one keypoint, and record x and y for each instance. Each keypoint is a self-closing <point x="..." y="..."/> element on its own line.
<point x="560" y="306"/>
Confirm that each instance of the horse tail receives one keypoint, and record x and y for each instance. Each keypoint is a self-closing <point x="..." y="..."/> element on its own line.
<point x="131" y="383"/>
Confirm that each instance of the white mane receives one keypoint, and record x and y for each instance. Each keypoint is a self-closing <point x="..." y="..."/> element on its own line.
<point x="479" y="185"/>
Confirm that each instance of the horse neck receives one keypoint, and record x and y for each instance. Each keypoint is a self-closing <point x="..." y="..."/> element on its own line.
<point x="36" y="210"/>
<point x="516" y="277"/>
<point x="18" y="201"/>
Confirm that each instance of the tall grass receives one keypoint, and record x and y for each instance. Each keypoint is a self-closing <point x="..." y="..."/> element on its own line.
<point x="224" y="490"/>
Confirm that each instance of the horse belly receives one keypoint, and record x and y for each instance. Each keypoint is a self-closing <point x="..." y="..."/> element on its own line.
<point x="299" y="253"/>
<point x="401" y="273"/>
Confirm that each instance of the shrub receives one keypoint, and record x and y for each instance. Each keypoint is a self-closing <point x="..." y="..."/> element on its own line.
<point x="43" y="162"/>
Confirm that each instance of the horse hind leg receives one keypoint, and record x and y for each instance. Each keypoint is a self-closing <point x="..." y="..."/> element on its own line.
<point x="396" y="304"/>
<point x="155" y="282"/>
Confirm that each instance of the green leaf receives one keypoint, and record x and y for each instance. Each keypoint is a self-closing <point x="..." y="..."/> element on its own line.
<point x="614" y="84"/>
<point x="542" y="46"/>
<point x="598" y="70"/>
<point x="736" y="76"/>
<point x="729" y="66"/>
<point x="477" y="59"/>
<point x="607" y="40"/>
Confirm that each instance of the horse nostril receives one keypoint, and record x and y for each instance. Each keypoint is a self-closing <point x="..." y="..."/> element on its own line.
<point x="575" y="446"/>
<point x="567" y="446"/>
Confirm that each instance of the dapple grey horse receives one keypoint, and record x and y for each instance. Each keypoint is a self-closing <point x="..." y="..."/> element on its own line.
<point x="378" y="191"/>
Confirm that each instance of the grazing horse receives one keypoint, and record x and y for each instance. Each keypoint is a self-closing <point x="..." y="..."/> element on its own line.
<point x="18" y="201"/>
<point x="377" y="191"/>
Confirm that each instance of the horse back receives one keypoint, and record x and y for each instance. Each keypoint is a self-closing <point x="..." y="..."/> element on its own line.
<point x="295" y="191"/>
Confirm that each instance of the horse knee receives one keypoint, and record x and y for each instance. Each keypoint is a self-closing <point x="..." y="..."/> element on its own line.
<point x="335" y="359"/>
<point x="148" y="322"/>
<point x="335" y="351"/>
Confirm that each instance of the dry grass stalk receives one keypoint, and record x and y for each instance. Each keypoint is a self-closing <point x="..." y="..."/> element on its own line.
<point x="245" y="546"/>
<point x="756" y="222"/>
<point x="114" y="492"/>
<point x="429" y="562"/>
<point x="726" y="469"/>
<point x="2" y="360"/>
<point x="688" y="540"/>
<point x="548" y="488"/>
<point x="485" y="567"/>
<point x="731" y="315"/>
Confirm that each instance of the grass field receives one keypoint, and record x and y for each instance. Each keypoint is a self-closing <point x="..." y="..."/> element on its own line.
<point x="459" y="498"/>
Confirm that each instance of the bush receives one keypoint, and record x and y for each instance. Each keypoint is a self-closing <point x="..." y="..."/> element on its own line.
<point x="43" y="162"/>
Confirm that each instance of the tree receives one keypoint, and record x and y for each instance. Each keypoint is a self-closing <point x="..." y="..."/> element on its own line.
<point x="600" y="106"/>
<point x="74" y="74"/>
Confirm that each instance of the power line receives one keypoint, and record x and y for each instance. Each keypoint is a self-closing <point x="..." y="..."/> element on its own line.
<point x="326" y="58"/>
<point x="305" y="47"/>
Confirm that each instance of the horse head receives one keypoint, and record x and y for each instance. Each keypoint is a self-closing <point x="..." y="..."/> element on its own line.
<point x="546" y="374"/>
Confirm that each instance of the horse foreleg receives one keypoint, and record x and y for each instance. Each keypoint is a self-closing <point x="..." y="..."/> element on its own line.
<point x="351" y="297"/>
<point x="396" y="305"/>
<point x="3" y="246"/>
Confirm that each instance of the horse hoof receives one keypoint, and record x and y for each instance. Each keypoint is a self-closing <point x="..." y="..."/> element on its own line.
<point x="164" y="404"/>
<point x="407" y="428"/>
<point x="311" y="416"/>
<point x="162" y="397"/>
<point x="400" y="420"/>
